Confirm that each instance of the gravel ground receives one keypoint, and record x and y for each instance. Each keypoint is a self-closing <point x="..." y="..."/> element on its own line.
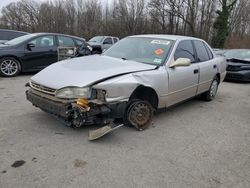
<point x="195" y="144"/>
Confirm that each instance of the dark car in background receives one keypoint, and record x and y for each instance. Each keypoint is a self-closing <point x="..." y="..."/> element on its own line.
<point x="102" y="43"/>
<point x="6" y="35"/>
<point x="238" y="64"/>
<point x="36" y="51"/>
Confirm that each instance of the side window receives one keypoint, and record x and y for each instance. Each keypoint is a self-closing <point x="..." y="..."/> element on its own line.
<point x="79" y="42"/>
<point x="43" y="42"/>
<point x="115" y="40"/>
<point x="4" y="35"/>
<point x="202" y="54"/>
<point x="210" y="54"/>
<point x="185" y="50"/>
<point x="108" y="41"/>
<point x="65" y="41"/>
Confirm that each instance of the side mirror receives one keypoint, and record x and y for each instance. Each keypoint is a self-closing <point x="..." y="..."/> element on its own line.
<point x="105" y="42"/>
<point x="31" y="45"/>
<point x="180" y="62"/>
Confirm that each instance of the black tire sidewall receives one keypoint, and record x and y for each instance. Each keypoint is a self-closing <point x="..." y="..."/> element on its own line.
<point x="207" y="95"/>
<point x="13" y="59"/>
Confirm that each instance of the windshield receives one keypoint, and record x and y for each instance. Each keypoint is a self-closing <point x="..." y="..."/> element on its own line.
<point x="238" y="54"/>
<point x="144" y="50"/>
<point x="96" y="39"/>
<point x="19" y="40"/>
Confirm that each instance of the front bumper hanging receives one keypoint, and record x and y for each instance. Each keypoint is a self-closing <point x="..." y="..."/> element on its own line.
<point x="80" y="112"/>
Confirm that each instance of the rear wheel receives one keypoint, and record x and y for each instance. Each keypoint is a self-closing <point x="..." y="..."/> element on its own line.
<point x="139" y="114"/>
<point x="211" y="93"/>
<point x="9" y="67"/>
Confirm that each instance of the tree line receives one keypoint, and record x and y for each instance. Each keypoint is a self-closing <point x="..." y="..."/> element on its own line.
<point x="223" y="23"/>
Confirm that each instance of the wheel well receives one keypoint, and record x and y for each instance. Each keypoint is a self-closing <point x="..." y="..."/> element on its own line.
<point x="15" y="57"/>
<point x="218" y="76"/>
<point x="146" y="93"/>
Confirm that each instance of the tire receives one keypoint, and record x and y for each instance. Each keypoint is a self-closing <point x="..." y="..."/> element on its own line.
<point x="211" y="93"/>
<point x="9" y="67"/>
<point x="139" y="114"/>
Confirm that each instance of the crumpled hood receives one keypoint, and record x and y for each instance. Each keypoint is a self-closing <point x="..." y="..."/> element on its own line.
<point x="85" y="71"/>
<point x="237" y="62"/>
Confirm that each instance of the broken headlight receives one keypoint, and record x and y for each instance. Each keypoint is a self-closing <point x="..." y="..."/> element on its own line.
<point x="73" y="93"/>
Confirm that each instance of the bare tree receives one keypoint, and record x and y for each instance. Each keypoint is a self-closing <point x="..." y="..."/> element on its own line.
<point x="86" y="18"/>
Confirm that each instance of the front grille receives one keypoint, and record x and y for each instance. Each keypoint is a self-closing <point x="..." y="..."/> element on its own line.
<point x="233" y="68"/>
<point x="42" y="88"/>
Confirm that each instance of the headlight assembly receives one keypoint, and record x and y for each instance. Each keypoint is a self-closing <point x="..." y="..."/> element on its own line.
<point x="73" y="93"/>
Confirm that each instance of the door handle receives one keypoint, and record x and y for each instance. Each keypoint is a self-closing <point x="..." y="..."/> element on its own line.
<point x="215" y="66"/>
<point x="196" y="71"/>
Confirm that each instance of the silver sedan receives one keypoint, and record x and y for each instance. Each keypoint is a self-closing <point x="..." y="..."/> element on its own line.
<point x="135" y="77"/>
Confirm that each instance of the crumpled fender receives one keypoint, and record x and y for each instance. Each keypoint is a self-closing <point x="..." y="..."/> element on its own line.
<point x="120" y="88"/>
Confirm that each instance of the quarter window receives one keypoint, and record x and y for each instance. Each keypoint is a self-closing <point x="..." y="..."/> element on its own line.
<point x="43" y="42"/>
<point x="185" y="50"/>
<point x="65" y="41"/>
<point x="202" y="54"/>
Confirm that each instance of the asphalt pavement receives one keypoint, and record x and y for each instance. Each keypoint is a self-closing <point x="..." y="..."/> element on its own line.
<point x="195" y="144"/>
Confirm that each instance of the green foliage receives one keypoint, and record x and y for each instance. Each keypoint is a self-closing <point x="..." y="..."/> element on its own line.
<point x="221" y="27"/>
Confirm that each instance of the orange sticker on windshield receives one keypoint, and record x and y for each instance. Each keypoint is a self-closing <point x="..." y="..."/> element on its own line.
<point x="159" y="51"/>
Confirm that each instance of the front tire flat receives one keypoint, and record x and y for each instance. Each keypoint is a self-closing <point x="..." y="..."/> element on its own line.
<point x="139" y="114"/>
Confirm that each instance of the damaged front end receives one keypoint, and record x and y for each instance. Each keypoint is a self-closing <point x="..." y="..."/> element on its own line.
<point x="78" y="112"/>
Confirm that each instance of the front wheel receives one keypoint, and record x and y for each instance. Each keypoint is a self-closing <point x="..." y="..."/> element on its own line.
<point x="9" y="67"/>
<point x="139" y="114"/>
<point x="211" y="93"/>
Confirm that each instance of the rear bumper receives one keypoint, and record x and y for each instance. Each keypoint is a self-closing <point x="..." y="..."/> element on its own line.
<point x="239" y="75"/>
<point x="56" y="108"/>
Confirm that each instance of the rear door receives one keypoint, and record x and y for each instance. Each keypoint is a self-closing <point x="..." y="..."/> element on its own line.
<point x="42" y="54"/>
<point x="183" y="81"/>
<point x="207" y="65"/>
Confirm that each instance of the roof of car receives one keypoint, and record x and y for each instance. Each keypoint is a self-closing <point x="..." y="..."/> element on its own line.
<point x="15" y="31"/>
<point x="59" y="34"/>
<point x="170" y="37"/>
<point x="104" y="36"/>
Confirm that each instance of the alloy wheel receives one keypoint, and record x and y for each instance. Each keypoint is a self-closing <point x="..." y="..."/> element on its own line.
<point x="9" y="67"/>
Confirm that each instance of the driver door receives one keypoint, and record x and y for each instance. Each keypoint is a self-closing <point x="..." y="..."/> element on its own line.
<point x="42" y="54"/>
<point x="183" y="80"/>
